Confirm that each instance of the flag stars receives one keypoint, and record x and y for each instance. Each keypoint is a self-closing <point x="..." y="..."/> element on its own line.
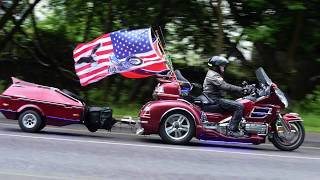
<point x="131" y="42"/>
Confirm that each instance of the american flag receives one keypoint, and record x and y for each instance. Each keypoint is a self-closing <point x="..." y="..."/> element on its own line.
<point x="108" y="54"/>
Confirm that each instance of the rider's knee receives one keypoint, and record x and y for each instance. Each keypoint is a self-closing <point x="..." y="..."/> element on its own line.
<point x="240" y="107"/>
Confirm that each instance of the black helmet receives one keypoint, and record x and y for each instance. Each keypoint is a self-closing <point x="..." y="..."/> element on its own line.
<point x="217" y="61"/>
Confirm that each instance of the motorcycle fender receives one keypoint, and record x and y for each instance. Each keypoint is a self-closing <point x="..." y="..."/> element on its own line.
<point x="291" y="117"/>
<point x="158" y="109"/>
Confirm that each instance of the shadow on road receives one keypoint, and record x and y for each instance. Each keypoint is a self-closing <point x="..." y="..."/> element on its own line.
<point x="196" y="143"/>
<point x="151" y="140"/>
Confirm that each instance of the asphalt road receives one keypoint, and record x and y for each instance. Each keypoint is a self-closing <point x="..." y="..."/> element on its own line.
<point x="72" y="152"/>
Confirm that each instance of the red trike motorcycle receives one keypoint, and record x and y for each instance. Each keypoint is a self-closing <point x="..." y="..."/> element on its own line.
<point x="178" y="117"/>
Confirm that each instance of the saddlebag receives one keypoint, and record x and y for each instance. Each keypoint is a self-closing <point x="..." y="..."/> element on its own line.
<point x="99" y="118"/>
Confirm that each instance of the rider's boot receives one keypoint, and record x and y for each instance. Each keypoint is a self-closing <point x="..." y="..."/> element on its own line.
<point x="233" y="129"/>
<point x="235" y="133"/>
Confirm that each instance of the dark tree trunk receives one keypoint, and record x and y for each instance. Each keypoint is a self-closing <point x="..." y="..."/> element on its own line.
<point x="89" y="22"/>
<point x="8" y="14"/>
<point x="219" y="15"/>
<point x="17" y="26"/>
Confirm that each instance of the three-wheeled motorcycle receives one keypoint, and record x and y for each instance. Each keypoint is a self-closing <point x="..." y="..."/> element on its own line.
<point x="177" y="116"/>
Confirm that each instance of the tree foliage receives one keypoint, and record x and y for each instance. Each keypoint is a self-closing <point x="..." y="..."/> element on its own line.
<point x="284" y="34"/>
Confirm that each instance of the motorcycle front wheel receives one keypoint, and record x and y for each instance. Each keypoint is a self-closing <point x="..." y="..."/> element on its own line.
<point x="290" y="141"/>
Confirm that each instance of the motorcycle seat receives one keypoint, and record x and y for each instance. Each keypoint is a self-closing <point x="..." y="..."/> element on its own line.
<point x="207" y="104"/>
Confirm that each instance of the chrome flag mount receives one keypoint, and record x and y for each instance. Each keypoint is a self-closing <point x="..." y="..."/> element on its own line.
<point x="123" y="51"/>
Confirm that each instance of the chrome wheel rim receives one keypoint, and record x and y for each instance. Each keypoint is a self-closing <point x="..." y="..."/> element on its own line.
<point x="292" y="137"/>
<point x="177" y="126"/>
<point x="29" y="120"/>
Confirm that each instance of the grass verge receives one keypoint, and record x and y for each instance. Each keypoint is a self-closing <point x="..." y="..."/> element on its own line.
<point x="126" y="110"/>
<point x="311" y="121"/>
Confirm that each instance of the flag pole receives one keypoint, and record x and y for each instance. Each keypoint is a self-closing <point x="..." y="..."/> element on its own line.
<point x="168" y="59"/>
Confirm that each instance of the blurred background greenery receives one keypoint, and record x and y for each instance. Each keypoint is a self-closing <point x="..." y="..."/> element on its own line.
<point x="37" y="38"/>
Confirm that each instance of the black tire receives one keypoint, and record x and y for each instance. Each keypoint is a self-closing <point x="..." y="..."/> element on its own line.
<point x="278" y="142"/>
<point x="30" y="121"/>
<point x="186" y="136"/>
<point x="92" y="129"/>
<point x="43" y="125"/>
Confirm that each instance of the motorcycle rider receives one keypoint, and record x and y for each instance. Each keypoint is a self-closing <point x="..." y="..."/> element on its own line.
<point x="215" y="87"/>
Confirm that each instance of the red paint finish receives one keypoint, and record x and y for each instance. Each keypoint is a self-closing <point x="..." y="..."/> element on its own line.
<point x="155" y="110"/>
<point x="291" y="117"/>
<point x="57" y="107"/>
<point x="264" y="111"/>
<point x="167" y="91"/>
<point x="216" y="117"/>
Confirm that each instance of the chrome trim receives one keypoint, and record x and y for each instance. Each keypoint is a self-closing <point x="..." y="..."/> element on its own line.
<point x="294" y="114"/>
<point x="296" y="120"/>
<point x="261" y="98"/>
<point x="225" y="120"/>
<point x="127" y="120"/>
<point x="183" y="100"/>
<point x="140" y="131"/>
<point x="29" y="120"/>
<point x="262" y="113"/>
<point x="5" y="96"/>
<point x="179" y="127"/>
<point x="284" y="123"/>
<point x="267" y="130"/>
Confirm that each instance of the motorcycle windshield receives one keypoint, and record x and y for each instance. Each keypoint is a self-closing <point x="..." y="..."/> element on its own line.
<point x="282" y="97"/>
<point x="263" y="77"/>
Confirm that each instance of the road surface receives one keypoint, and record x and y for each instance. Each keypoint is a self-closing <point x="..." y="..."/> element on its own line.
<point x="72" y="152"/>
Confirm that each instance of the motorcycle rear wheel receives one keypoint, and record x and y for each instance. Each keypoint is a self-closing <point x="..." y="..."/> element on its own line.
<point x="293" y="144"/>
<point x="177" y="128"/>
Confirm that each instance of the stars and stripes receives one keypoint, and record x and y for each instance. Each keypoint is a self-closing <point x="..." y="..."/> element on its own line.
<point x="126" y="43"/>
<point x="92" y="59"/>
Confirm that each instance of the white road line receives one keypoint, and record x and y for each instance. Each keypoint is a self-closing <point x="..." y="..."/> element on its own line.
<point x="30" y="175"/>
<point x="79" y="130"/>
<point x="41" y="176"/>
<point x="160" y="147"/>
<point x="127" y="134"/>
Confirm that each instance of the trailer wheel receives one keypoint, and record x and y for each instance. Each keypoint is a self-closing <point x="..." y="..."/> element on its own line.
<point x="30" y="121"/>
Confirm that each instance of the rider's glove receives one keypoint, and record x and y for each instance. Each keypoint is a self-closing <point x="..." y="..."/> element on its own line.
<point x="247" y="90"/>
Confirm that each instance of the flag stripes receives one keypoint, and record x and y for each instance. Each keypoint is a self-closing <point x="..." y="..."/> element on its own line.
<point x="93" y="59"/>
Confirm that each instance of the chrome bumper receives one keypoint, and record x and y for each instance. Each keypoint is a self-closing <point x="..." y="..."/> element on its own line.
<point x="140" y="131"/>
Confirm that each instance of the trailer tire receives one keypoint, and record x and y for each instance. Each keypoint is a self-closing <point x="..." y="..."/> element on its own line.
<point x="30" y="121"/>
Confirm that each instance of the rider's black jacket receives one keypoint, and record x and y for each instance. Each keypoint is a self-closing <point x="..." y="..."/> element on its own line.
<point x="214" y="86"/>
